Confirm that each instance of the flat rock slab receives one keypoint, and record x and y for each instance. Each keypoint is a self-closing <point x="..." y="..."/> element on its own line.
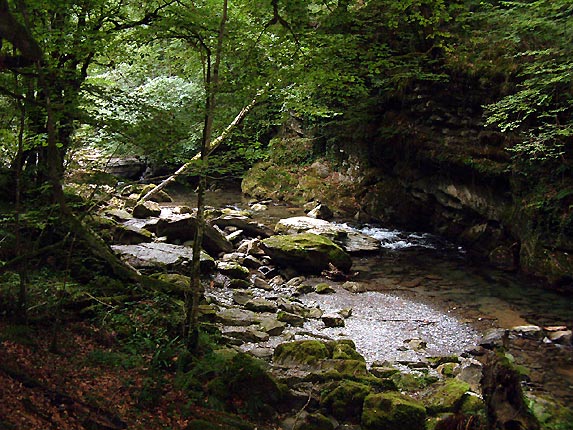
<point x="149" y="255"/>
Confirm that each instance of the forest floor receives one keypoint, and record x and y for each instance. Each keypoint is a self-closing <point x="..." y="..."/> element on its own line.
<point x="86" y="384"/>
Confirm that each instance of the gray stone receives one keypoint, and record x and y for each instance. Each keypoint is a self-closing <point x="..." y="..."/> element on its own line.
<point x="146" y="210"/>
<point x="233" y="270"/>
<point x="241" y="297"/>
<point x="161" y="255"/>
<point x="354" y="287"/>
<point x="237" y="317"/>
<point x="292" y="319"/>
<point x="261" y="305"/>
<point x="246" y="334"/>
<point x="182" y="228"/>
<point x="272" y="326"/>
<point x="527" y="331"/>
<point x="262" y="284"/>
<point x="333" y="320"/>
<point x="321" y="211"/>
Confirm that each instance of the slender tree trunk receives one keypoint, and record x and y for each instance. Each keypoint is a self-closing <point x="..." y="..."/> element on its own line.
<point x="193" y="297"/>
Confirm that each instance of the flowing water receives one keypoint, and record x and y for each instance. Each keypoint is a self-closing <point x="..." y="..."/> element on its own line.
<point x="422" y="287"/>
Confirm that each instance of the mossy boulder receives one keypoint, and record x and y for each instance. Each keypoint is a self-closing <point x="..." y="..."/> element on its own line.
<point x="345" y="351"/>
<point x="314" y="421"/>
<point x="306" y="252"/>
<point x="344" y="400"/>
<point x="445" y="396"/>
<point x="391" y="411"/>
<point x="303" y="352"/>
<point x="244" y="386"/>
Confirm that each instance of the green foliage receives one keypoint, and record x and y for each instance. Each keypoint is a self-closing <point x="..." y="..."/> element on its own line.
<point x="532" y="41"/>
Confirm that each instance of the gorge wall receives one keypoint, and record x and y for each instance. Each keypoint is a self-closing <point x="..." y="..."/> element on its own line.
<point x="426" y="162"/>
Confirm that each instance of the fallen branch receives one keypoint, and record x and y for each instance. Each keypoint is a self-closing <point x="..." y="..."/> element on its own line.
<point x="212" y="146"/>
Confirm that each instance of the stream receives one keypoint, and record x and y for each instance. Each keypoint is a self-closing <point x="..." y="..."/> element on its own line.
<point x="422" y="288"/>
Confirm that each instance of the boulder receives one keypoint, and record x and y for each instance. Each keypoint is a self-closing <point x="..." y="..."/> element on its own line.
<point x="182" y="228"/>
<point x="344" y="400"/>
<point x="333" y="320"/>
<point x="233" y="270"/>
<point x="146" y="210"/>
<point x="321" y="211"/>
<point x="389" y="411"/>
<point x="307" y="253"/>
<point x="349" y="239"/>
<point x="161" y="255"/>
<point x="249" y="226"/>
<point x="303" y="352"/>
<point x="131" y="235"/>
<point x="445" y="396"/>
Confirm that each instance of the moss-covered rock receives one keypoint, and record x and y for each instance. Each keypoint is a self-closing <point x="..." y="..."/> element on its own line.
<point x="345" y="351"/>
<point x="445" y="396"/>
<point x="314" y="421"/>
<point x="323" y="288"/>
<point x="146" y="210"/>
<point x="306" y="252"/>
<point x="344" y="400"/>
<point x="391" y="411"/>
<point x="412" y="381"/>
<point x="303" y="352"/>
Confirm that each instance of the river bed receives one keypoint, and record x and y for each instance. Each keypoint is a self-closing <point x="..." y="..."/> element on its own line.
<point x="422" y="287"/>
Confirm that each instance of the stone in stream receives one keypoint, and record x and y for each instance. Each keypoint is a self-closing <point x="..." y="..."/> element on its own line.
<point x="261" y="305"/>
<point x="237" y="317"/>
<point x="354" y="287"/>
<point x="333" y="320"/>
<point x="349" y="239"/>
<point x="564" y="337"/>
<point x="246" y="334"/>
<point x="250" y="227"/>
<point x="445" y="396"/>
<point x="241" y="297"/>
<point x="232" y="269"/>
<point x="146" y="209"/>
<point x="323" y="288"/>
<point x="344" y="399"/>
<point x="262" y="284"/>
<point x="272" y="326"/>
<point x="527" y="331"/>
<point x="183" y="227"/>
<point x="321" y="211"/>
<point x="292" y="319"/>
<point x="306" y="252"/>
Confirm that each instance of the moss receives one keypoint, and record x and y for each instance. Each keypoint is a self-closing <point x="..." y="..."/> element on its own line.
<point x="390" y="411"/>
<point x="306" y="352"/>
<point x="410" y="381"/>
<point x="551" y="415"/>
<point x="323" y="288"/>
<point x="344" y="400"/>
<point x="307" y="252"/>
<point x="345" y="351"/>
<point x="446" y="396"/>
<point x="315" y="421"/>
<point x="349" y="369"/>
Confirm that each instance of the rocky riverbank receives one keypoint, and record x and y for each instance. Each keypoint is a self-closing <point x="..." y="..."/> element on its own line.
<point x="255" y="298"/>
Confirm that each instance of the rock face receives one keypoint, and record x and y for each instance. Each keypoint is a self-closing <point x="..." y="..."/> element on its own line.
<point x="307" y="253"/>
<point x="348" y="239"/>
